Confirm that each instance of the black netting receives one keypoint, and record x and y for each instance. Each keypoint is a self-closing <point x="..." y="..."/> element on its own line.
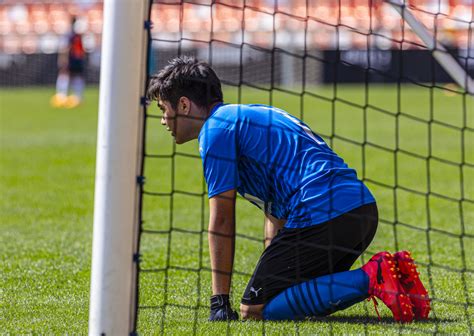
<point x="361" y="78"/>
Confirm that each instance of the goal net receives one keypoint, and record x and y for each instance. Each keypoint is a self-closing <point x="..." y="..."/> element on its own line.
<point x="387" y="85"/>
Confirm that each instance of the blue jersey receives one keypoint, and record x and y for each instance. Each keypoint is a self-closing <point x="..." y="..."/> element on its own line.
<point x="276" y="162"/>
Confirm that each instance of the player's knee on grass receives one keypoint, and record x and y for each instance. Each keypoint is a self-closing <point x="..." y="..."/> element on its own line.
<point x="251" y="312"/>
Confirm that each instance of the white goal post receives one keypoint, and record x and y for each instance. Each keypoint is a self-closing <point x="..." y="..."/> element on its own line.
<point x="119" y="149"/>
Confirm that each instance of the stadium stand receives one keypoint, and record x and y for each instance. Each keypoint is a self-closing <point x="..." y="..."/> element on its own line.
<point x="36" y="26"/>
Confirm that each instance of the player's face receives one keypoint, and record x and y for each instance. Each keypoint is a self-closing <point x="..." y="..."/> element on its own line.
<point x="169" y="116"/>
<point x="176" y="121"/>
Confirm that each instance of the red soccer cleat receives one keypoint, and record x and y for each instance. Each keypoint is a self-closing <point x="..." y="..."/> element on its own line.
<point x="412" y="284"/>
<point x="384" y="284"/>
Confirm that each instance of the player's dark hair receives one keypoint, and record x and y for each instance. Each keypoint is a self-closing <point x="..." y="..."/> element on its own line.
<point x="186" y="77"/>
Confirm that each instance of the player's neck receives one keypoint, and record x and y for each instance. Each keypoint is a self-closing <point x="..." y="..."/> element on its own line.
<point x="211" y="108"/>
<point x="200" y="118"/>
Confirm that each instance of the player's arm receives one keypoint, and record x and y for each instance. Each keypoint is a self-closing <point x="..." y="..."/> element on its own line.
<point x="221" y="240"/>
<point x="272" y="225"/>
<point x="221" y="249"/>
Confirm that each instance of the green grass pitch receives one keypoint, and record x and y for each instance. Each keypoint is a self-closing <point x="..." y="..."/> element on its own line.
<point x="47" y="166"/>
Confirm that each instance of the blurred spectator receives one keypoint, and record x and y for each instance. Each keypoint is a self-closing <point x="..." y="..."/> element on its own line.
<point x="71" y="67"/>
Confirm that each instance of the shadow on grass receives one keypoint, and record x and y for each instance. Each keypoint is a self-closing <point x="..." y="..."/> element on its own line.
<point x="358" y="319"/>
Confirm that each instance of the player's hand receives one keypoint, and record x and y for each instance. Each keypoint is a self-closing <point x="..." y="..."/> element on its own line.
<point x="221" y="309"/>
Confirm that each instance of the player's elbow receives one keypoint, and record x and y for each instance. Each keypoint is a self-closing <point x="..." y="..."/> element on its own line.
<point x="244" y="312"/>
<point x="251" y="312"/>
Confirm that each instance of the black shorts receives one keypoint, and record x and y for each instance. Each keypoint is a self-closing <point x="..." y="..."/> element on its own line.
<point x="76" y="66"/>
<point x="298" y="255"/>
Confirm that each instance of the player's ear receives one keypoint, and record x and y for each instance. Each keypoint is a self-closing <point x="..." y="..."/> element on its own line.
<point x="184" y="105"/>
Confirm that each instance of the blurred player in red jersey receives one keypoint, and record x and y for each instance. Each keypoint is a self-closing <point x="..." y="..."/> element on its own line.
<point x="71" y="65"/>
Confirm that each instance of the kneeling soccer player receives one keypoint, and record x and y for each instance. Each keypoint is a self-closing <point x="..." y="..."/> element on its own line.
<point x="319" y="216"/>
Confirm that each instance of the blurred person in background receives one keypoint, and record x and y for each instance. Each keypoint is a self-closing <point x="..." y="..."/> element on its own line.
<point x="71" y="69"/>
